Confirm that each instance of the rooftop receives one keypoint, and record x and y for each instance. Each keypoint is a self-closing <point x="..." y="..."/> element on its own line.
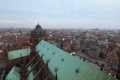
<point x="14" y="74"/>
<point x="68" y="67"/>
<point x="38" y="30"/>
<point x="18" y="53"/>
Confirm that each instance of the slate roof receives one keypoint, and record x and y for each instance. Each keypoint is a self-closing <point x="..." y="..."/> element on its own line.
<point x="68" y="67"/>
<point x="18" y="53"/>
<point x="38" y="30"/>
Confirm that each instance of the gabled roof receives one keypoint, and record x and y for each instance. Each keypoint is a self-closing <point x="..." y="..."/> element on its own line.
<point x="18" y="53"/>
<point x="68" y="67"/>
<point x="14" y="74"/>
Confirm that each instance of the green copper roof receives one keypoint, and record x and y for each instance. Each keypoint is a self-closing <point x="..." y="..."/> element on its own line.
<point x="68" y="67"/>
<point x="31" y="74"/>
<point x="18" y="53"/>
<point x="14" y="74"/>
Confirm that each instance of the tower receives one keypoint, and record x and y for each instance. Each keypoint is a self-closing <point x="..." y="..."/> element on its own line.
<point x="37" y="35"/>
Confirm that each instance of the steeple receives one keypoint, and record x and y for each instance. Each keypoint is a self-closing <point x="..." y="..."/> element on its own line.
<point x="38" y="26"/>
<point x="38" y="30"/>
<point x="37" y="34"/>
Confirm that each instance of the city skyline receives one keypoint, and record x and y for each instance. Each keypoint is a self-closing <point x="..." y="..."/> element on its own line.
<point x="102" y="14"/>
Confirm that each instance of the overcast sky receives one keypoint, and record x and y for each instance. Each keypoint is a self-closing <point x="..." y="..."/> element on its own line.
<point x="60" y="13"/>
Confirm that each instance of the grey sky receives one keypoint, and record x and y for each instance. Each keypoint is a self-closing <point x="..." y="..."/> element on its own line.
<point x="60" y="13"/>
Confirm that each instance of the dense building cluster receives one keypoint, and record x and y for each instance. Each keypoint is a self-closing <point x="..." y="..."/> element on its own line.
<point x="60" y="55"/>
<point x="102" y="47"/>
